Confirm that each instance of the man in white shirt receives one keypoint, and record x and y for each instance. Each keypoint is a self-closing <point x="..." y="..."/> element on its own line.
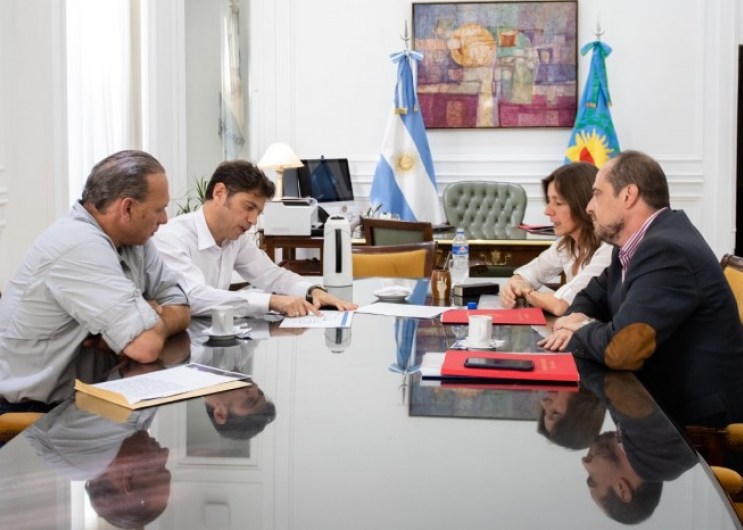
<point x="205" y="246"/>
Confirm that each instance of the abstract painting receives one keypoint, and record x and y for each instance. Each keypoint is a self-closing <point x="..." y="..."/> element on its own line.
<point x="497" y="64"/>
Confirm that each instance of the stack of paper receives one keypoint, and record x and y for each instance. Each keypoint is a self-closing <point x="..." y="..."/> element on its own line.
<point x="164" y="386"/>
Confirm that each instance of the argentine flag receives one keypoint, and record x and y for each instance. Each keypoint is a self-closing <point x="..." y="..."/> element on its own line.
<point x="594" y="139"/>
<point x="404" y="181"/>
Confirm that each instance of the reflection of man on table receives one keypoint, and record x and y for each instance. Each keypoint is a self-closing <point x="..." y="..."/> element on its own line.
<point x="206" y="246"/>
<point x="627" y="467"/>
<point x="244" y="412"/>
<point x="127" y="481"/>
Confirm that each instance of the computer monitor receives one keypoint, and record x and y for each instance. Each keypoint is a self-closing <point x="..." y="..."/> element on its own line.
<point x="327" y="180"/>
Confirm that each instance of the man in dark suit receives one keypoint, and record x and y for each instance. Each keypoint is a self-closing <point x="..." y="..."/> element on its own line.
<point x="663" y="307"/>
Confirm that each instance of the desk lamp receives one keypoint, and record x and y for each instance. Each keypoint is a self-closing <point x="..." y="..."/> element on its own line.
<point x="279" y="156"/>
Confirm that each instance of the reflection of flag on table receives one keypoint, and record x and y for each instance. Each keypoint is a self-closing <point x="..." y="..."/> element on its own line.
<point x="404" y="181"/>
<point x="405" y="329"/>
<point x="593" y="138"/>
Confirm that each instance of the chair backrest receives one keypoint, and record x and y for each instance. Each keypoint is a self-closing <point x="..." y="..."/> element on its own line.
<point x="732" y="266"/>
<point x="394" y="232"/>
<point x="414" y="260"/>
<point x="486" y="210"/>
<point x="13" y="423"/>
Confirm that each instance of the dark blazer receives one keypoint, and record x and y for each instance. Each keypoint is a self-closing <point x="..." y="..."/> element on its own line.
<point x="673" y="320"/>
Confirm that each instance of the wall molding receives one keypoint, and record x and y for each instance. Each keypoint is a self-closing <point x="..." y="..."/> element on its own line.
<point x="4" y="201"/>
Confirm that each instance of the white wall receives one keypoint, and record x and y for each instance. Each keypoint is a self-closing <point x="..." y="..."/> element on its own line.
<point x="33" y="183"/>
<point x="322" y="81"/>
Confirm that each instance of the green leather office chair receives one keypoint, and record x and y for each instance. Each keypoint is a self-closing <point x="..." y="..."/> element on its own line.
<point x="486" y="210"/>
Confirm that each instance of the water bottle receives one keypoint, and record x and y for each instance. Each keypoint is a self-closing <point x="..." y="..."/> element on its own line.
<point x="460" y="258"/>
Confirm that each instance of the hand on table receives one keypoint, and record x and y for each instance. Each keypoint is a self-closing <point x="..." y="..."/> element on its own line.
<point x="571" y="322"/>
<point x="515" y="288"/>
<point x="292" y="306"/>
<point x="322" y="298"/>
<point x="562" y="331"/>
<point x="558" y="341"/>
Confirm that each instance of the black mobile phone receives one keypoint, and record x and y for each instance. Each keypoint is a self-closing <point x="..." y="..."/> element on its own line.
<point x="523" y="365"/>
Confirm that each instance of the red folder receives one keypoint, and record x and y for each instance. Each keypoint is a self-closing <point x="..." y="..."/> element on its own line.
<point x="547" y="366"/>
<point x="530" y="316"/>
<point x="499" y="384"/>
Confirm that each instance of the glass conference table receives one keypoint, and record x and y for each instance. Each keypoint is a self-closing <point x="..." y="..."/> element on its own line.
<point x="358" y="441"/>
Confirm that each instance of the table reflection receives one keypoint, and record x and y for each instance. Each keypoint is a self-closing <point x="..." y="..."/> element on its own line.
<point x="123" y="466"/>
<point x="570" y="418"/>
<point x="242" y="413"/>
<point x="628" y="466"/>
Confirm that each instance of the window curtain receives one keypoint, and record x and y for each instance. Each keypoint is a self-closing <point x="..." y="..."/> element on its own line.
<point x="102" y="81"/>
<point x="233" y="113"/>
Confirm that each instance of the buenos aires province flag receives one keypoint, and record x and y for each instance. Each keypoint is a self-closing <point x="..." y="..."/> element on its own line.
<point x="404" y="180"/>
<point x="594" y="139"/>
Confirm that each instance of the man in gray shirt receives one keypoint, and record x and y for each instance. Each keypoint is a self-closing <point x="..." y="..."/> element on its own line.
<point x="94" y="276"/>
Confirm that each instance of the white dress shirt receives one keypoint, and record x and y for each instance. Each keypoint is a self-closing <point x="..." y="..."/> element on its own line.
<point x="204" y="268"/>
<point x="552" y="262"/>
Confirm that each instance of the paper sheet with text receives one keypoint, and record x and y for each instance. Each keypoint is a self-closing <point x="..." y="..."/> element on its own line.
<point x="327" y="319"/>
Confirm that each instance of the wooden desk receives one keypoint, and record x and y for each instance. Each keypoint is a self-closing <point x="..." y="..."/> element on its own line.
<point x="289" y="246"/>
<point x="499" y="253"/>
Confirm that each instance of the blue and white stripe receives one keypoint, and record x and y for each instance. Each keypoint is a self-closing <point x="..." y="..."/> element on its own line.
<point x="404" y="180"/>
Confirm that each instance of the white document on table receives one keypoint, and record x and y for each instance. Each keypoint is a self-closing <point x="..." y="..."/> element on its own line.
<point x="402" y="310"/>
<point x="170" y="382"/>
<point x="328" y="319"/>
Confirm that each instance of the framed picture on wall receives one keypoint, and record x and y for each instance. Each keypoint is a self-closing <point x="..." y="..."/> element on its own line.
<point x="497" y="64"/>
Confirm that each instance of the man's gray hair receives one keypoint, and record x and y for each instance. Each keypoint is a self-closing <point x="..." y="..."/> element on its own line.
<point x="122" y="174"/>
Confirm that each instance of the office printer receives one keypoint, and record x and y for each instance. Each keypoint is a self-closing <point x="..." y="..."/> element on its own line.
<point x="289" y="216"/>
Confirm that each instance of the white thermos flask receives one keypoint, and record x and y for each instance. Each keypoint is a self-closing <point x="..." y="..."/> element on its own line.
<point x="336" y="261"/>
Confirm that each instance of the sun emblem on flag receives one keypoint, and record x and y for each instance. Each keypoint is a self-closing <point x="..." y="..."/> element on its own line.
<point x="593" y="148"/>
<point x="406" y="161"/>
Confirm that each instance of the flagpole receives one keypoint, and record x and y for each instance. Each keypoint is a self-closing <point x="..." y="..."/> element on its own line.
<point x="405" y="38"/>
<point x="599" y="31"/>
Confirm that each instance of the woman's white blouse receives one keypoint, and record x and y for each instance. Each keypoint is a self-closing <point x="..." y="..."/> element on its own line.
<point x="552" y="262"/>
